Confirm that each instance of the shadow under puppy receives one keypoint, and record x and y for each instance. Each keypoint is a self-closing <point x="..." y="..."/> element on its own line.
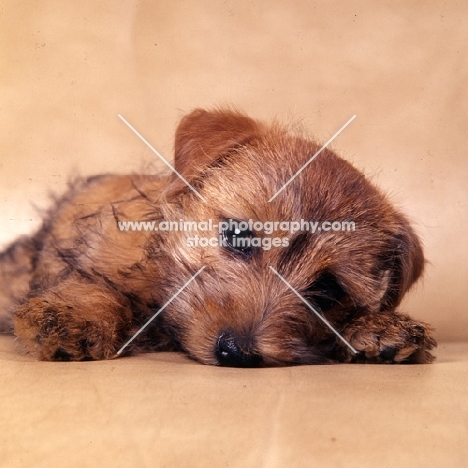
<point x="82" y="286"/>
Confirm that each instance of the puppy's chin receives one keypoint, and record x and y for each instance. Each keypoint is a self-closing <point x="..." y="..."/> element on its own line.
<point x="215" y="351"/>
<point x="222" y="337"/>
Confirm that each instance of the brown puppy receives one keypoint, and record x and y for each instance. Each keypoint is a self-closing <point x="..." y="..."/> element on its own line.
<point x="313" y="274"/>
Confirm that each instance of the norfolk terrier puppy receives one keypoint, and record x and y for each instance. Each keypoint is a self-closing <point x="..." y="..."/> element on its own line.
<point x="248" y="254"/>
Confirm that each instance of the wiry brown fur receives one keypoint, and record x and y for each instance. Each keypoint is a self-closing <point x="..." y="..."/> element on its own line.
<point x="80" y="287"/>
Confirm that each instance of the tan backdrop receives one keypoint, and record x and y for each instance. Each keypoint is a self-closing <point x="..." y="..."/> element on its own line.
<point x="69" y="68"/>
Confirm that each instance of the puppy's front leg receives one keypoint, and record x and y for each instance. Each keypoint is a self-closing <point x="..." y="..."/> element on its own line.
<point x="389" y="337"/>
<point x="74" y="321"/>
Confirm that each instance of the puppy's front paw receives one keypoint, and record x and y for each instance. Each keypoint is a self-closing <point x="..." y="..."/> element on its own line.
<point x="390" y="338"/>
<point x="60" y="333"/>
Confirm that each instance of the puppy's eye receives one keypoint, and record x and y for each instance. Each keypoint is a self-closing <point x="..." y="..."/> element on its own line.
<point x="325" y="292"/>
<point x="237" y="236"/>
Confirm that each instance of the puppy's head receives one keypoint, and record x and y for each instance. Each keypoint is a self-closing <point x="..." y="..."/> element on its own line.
<point x="350" y="252"/>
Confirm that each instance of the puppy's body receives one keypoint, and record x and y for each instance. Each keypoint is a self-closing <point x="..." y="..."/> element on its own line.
<point x="85" y="287"/>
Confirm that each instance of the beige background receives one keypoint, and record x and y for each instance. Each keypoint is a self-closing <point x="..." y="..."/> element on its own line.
<point x="67" y="69"/>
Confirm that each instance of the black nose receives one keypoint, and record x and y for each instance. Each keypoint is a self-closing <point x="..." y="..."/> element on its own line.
<point x="229" y="353"/>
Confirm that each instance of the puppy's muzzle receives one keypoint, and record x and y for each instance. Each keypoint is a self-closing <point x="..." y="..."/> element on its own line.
<point x="230" y="352"/>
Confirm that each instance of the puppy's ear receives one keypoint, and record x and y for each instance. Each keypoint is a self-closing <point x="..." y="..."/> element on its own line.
<point x="203" y="136"/>
<point x="404" y="264"/>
